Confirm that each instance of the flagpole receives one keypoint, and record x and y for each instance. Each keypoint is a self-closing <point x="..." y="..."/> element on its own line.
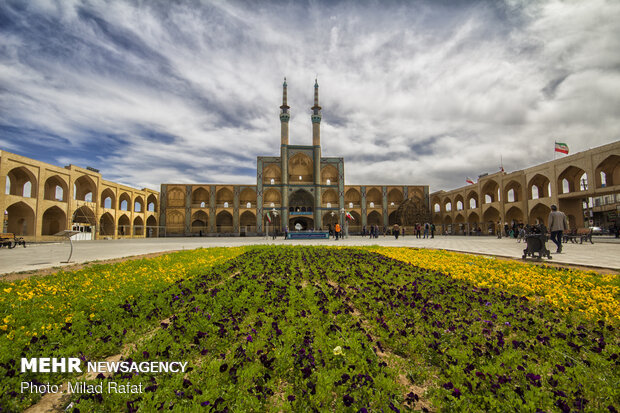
<point x="554" y="150"/>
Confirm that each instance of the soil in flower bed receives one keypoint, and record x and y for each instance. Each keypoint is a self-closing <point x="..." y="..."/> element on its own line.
<point x="317" y="329"/>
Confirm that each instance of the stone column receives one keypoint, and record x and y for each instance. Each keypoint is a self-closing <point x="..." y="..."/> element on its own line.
<point x="212" y="208"/>
<point x="364" y="211"/>
<point x="236" y="209"/>
<point x="188" y="210"/>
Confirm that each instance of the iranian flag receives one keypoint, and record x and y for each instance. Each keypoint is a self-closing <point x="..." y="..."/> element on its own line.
<point x="348" y="215"/>
<point x="561" y="147"/>
<point x="469" y="180"/>
<point x="269" y="217"/>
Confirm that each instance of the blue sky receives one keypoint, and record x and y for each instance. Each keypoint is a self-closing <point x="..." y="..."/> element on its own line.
<point x="421" y="92"/>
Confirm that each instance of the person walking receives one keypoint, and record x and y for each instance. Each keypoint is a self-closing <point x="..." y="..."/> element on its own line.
<point x="432" y="230"/>
<point x="337" y="231"/>
<point x="557" y="225"/>
<point x="396" y="231"/>
<point x="426" y="228"/>
<point x="498" y="230"/>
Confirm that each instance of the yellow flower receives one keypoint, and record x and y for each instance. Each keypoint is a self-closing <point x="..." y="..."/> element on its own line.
<point x="338" y="351"/>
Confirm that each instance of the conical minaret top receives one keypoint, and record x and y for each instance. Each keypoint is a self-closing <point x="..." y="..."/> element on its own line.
<point x="316" y="108"/>
<point x="284" y="116"/>
<point x="316" y="117"/>
<point x="284" y="106"/>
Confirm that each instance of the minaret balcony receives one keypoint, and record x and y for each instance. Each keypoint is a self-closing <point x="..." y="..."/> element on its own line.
<point x="316" y="118"/>
<point x="285" y="117"/>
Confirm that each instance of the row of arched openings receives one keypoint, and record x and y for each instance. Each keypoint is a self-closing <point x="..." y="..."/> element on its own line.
<point x="21" y="181"/>
<point x="19" y="218"/>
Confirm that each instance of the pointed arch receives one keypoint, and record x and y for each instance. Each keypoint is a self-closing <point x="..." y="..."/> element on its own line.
<point x="472" y="200"/>
<point x="301" y="199"/>
<point x="375" y="218"/>
<point x="56" y="189"/>
<point x="395" y="197"/>
<point x="459" y="202"/>
<point x="272" y="198"/>
<point x="491" y="217"/>
<point x="571" y="179"/>
<point x="106" y="225"/>
<point x="224" y="196"/>
<point x="200" y="222"/>
<point x="20" y="219"/>
<point x="490" y="191"/>
<point x="330" y="173"/>
<point x="352" y="196"/>
<point x="330" y="197"/>
<point x="607" y="172"/>
<point x="300" y="165"/>
<point x="138" y="204"/>
<point x="272" y="175"/>
<point x="538" y="187"/>
<point x="151" y="202"/>
<point x="514" y="214"/>
<point x="513" y="191"/>
<point x="374" y="198"/>
<point x="152" y="229"/>
<point x="138" y="226"/>
<point x="247" y="221"/>
<point x="108" y="199"/>
<point x="22" y="182"/>
<point x="224" y="222"/>
<point x="124" y="201"/>
<point x="84" y="215"/>
<point x="539" y="214"/>
<point x="54" y="220"/>
<point x="84" y="189"/>
<point x="124" y="225"/>
<point x="473" y="220"/>
<point x="200" y="195"/>
<point x="247" y="198"/>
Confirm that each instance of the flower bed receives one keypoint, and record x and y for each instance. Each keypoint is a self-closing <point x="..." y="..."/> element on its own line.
<point x="297" y="329"/>
<point x="596" y="295"/>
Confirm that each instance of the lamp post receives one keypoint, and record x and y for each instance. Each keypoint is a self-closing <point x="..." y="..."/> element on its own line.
<point x="275" y="216"/>
<point x="345" y="223"/>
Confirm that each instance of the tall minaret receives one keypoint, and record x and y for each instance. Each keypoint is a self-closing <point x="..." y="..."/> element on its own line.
<point x="316" y="143"/>
<point x="316" y="117"/>
<point x="284" y="116"/>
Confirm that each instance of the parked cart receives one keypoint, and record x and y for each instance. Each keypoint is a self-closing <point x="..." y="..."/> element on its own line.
<point x="536" y="240"/>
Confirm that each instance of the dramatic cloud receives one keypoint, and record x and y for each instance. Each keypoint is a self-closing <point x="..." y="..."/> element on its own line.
<point x="421" y="92"/>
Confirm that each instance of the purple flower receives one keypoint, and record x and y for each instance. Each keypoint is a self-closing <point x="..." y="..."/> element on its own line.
<point x="448" y="385"/>
<point x="204" y="404"/>
<point x="347" y="400"/>
<point x="249" y="338"/>
<point x="456" y="393"/>
<point x="291" y="398"/>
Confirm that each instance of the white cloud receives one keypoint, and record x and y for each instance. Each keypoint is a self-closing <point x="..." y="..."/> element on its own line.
<point x="423" y="93"/>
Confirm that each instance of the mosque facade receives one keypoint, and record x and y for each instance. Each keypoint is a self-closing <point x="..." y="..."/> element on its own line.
<point x="300" y="188"/>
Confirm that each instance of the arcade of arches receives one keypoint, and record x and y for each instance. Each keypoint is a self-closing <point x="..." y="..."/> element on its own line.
<point x="40" y="200"/>
<point x="575" y="183"/>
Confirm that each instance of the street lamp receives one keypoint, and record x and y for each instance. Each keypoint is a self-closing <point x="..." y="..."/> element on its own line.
<point x="275" y="215"/>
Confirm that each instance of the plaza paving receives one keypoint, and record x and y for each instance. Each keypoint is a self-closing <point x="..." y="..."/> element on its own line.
<point x="47" y="255"/>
